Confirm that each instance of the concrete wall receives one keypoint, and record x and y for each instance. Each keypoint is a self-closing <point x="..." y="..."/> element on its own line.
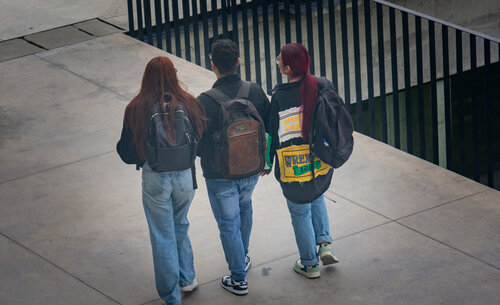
<point x="479" y="15"/>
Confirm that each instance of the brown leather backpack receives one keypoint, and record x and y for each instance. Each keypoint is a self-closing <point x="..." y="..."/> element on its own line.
<point x="240" y="146"/>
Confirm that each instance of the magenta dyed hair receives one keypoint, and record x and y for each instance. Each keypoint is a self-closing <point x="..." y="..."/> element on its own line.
<point x="297" y="58"/>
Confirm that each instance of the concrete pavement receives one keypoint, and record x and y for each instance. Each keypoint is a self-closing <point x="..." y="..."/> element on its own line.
<point x="72" y="228"/>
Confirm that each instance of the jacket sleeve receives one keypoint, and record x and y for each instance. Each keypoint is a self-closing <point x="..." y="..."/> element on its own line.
<point x="272" y="128"/>
<point x="264" y="107"/>
<point x="126" y="146"/>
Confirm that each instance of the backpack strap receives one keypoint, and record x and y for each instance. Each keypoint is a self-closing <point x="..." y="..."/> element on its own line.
<point x="220" y="97"/>
<point x="217" y="96"/>
<point x="244" y="89"/>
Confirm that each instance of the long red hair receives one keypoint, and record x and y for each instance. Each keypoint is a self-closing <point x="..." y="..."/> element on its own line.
<point x="297" y="58"/>
<point x="159" y="78"/>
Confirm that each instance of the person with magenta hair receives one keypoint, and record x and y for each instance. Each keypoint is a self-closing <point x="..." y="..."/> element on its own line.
<point x="166" y="194"/>
<point x="292" y="106"/>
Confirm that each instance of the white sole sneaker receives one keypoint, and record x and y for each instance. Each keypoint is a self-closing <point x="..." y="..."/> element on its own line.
<point x="238" y="288"/>
<point x="328" y="258"/>
<point x="190" y="287"/>
<point x="248" y="263"/>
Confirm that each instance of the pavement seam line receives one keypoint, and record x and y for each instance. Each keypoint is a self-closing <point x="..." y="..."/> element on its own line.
<point x="126" y="98"/>
<point x="57" y="267"/>
<point x="56" y="167"/>
<point x="294" y="253"/>
<point x="449" y="246"/>
<point x="358" y="204"/>
<point x="109" y="23"/>
<point x="440" y="205"/>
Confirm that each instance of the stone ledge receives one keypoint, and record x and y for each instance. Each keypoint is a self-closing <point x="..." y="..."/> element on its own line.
<point x="59" y="37"/>
<point x="15" y="48"/>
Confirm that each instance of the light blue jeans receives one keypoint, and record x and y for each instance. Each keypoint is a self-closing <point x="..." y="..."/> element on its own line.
<point x="231" y="202"/>
<point x="166" y="198"/>
<point x="311" y="227"/>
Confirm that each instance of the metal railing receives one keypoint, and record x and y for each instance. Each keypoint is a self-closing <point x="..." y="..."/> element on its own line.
<point x="421" y="84"/>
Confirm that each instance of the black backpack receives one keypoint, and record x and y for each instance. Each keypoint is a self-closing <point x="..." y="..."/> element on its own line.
<point x="331" y="132"/>
<point x="162" y="155"/>
<point x="240" y="146"/>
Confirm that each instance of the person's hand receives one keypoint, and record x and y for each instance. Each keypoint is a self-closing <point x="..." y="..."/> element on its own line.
<point x="265" y="172"/>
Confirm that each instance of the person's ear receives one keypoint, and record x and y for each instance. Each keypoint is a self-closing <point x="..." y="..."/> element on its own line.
<point x="238" y="62"/>
<point x="213" y="66"/>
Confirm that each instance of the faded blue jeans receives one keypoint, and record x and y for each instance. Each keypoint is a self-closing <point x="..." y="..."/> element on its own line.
<point x="166" y="198"/>
<point x="311" y="227"/>
<point x="231" y="202"/>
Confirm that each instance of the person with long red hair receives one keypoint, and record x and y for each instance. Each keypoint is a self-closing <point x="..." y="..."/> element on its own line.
<point x="166" y="196"/>
<point x="303" y="181"/>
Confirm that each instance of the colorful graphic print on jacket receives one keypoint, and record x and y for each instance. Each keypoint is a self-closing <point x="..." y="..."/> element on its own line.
<point x="295" y="160"/>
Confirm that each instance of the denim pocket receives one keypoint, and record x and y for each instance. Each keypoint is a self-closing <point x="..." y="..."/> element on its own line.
<point x="152" y="182"/>
<point x="185" y="180"/>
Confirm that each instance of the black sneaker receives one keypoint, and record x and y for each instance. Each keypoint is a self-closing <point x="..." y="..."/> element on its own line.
<point x="238" y="288"/>
<point x="248" y="262"/>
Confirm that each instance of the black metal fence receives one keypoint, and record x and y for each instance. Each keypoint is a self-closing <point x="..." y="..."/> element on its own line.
<point x="418" y="83"/>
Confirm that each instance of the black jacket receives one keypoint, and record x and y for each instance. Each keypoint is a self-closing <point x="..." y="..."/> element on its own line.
<point x="287" y="96"/>
<point x="126" y="148"/>
<point x="127" y="151"/>
<point x="229" y="85"/>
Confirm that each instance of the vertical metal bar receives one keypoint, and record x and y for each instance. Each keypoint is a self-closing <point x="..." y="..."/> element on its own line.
<point x="489" y="127"/>
<point x="321" y="36"/>
<point x="139" y="20"/>
<point x="159" y="23"/>
<point x="215" y="20"/>
<point x="447" y="98"/>
<point x="130" y="10"/>
<point x="345" y="53"/>
<point x="432" y="58"/>
<point x="206" y="39"/>
<point x="256" y="43"/>
<point x="395" y="86"/>
<point x="246" y="38"/>
<point x="225" y="28"/>
<point x="381" y="71"/>
<point x="147" y="19"/>
<point x="420" y="87"/>
<point x="333" y="42"/>
<point x="236" y="35"/>
<point x="234" y="16"/>
<point x="277" y="43"/>
<point x="408" y="103"/>
<point x="177" y="33"/>
<point x="288" y="31"/>
<point x="267" y="47"/>
<point x="298" y="18"/>
<point x="460" y="100"/>
<point x="369" y="66"/>
<point x="357" y="66"/>
<point x="475" y="121"/>
<point x="310" y="38"/>
<point x="186" y="21"/>
<point x="168" y="38"/>
<point x="196" y="33"/>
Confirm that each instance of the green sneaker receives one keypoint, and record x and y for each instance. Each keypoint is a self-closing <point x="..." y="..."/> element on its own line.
<point x="326" y="255"/>
<point x="307" y="271"/>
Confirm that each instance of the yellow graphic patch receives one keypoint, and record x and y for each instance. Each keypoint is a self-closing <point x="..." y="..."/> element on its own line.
<point x="295" y="164"/>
